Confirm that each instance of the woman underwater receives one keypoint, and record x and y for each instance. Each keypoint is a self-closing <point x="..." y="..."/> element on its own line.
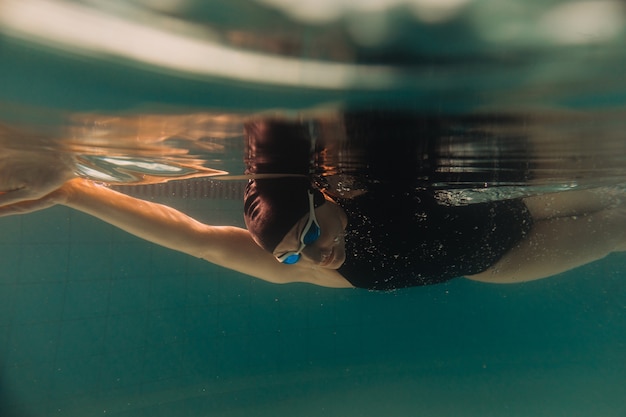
<point x="390" y="234"/>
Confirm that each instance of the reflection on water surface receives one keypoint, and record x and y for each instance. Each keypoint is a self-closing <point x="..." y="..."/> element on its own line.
<point x="486" y="155"/>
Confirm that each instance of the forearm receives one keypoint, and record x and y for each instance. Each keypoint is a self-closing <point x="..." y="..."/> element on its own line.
<point x="154" y="222"/>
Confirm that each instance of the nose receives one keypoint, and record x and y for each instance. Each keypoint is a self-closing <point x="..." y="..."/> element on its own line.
<point x="317" y="254"/>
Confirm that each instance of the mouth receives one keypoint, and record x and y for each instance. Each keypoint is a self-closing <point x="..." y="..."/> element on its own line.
<point x="328" y="259"/>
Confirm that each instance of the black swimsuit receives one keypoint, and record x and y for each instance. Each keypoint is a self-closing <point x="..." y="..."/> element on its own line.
<point x="401" y="238"/>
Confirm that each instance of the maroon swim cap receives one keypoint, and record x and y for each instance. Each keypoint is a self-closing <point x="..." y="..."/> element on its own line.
<point x="273" y="206"/>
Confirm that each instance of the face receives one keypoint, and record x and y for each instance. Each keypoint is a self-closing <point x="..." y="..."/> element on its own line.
<point x="328" y="251"/>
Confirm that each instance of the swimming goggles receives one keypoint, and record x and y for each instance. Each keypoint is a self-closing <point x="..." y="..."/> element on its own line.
<point x="310" y="233"/>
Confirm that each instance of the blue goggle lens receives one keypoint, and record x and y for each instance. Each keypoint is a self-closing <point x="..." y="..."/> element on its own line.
<point x="292" y="259"/>
<point x="312" y="234"/>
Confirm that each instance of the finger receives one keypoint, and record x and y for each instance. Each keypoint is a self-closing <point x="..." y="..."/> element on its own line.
<point x="24" y="207"/>
<point x="15" y="196"/>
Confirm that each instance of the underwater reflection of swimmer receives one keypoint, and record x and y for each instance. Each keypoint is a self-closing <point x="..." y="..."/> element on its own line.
<point x="388" y="234"/>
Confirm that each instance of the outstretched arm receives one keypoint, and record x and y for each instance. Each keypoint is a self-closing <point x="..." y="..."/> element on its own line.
<point x="154" y="222"/>
<point x="227" y="246"/>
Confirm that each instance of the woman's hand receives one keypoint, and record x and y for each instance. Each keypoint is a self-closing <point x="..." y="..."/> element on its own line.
<point x="29" y="181"/>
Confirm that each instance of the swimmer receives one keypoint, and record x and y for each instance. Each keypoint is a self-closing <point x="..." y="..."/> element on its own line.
<point x="383" y="239"/>
<point x="313" y="249"/>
